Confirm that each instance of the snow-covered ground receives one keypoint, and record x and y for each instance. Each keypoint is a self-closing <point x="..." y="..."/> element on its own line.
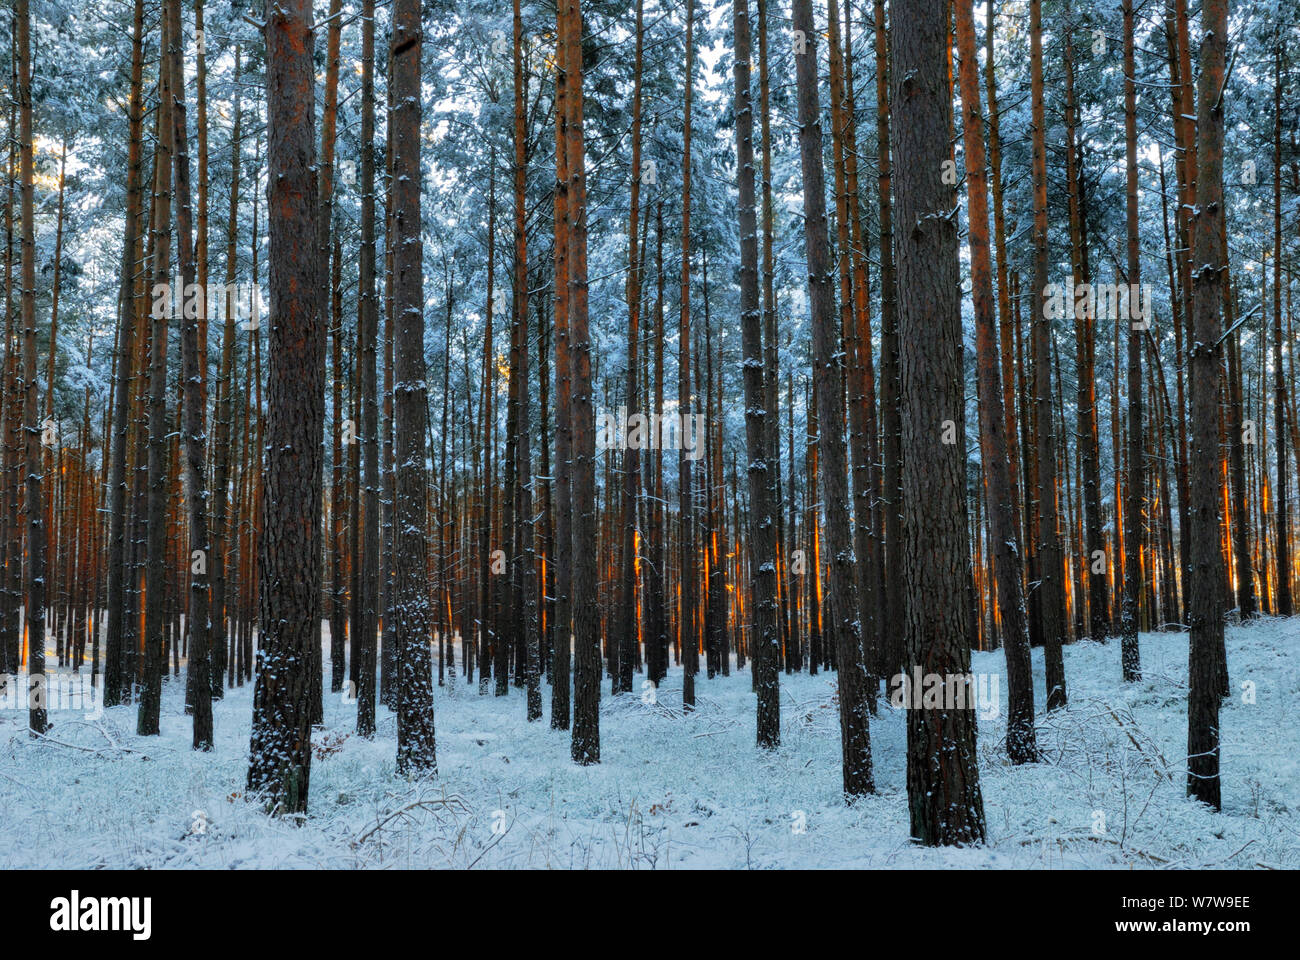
<point x="680" y="791"/>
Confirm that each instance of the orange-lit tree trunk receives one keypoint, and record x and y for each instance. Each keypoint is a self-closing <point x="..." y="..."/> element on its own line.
<point x="994" y="440"/>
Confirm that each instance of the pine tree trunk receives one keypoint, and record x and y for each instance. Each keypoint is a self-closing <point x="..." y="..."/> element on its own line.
<point x="411" y="631"/>
<point x="34" y="504"/>
<point x="1051" y="567"/>
<point x="1282" y="493"/>
<point x="942" y="774"/>
<point x="194" y="432"/>
<point x="586" y="612"/>
<point x="338" y="498"/>
<point x="766" y="649"/>
<point x="221" y="528"/>
<point x="893" y="621"/>
<point x="994" y="440"/>
<point x="1204" y="594"/>
<point x="365" y="600"/>
<point x="687" y="628"/>
<point x="115" y="677"/>
<point x="525" y="552"/>
<point x="156" y="502"/>
<point x="280" y="747"/>
<point x="1130" y="655"/>
<point x="627" y="630"/>
<point x="560" y="676"/>
<point x="855" y="737"/>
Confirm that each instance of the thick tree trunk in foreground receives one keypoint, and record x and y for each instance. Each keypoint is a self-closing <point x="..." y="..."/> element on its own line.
<point x="280" y="746"/>
<point x="1205" y="593"/>
<point x="942" y="773"/>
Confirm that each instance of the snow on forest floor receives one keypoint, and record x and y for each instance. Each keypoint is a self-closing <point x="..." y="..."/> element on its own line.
<point x="679" y="791"/>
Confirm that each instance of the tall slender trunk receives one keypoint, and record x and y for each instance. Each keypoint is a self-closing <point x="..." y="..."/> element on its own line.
<point x="656" y="607"/>
<point x="1204" y="594"/>
<point x="771" y="360"/>
<point x="221" y="528"/>
<point x="868" y="521"/>
<point x="338" y="498"/>
<point x="35" y="602"/>
<point x="855" y="736"/>
<point x="994" y="439"/>
<point x="487" y="573"/>
<point x="525" y="558"/>
<point x="115" y="676"/>
<point x="893" y="621"/>
<point x="411" y="631"/>
<point x="1130" y="655"/>
<point x="687" y="628"/>
<point x="156" y="498"/>
<point x="627" y="630"/>
<point x="1051" y="597"/>
<point x="765" y="648"/>
<point x="1281" y="495"/>
<point x="365" y="599"/>
<point x="194" y="407"/>
<point x="586" y="612"/>
<point x="1093" y="541"/>
<point x="560" y="688"/>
